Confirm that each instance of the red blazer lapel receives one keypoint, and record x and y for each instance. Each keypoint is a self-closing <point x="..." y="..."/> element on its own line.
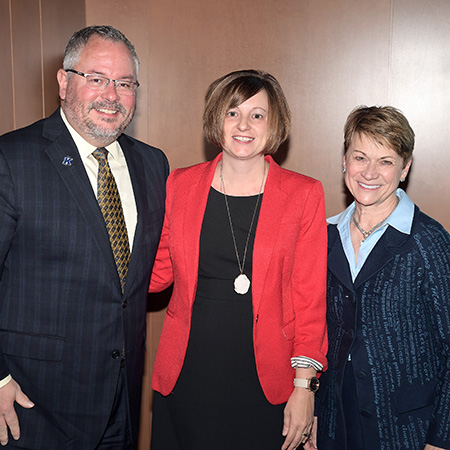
<point x="192" y="222"/>
<point x="267" y="230"/>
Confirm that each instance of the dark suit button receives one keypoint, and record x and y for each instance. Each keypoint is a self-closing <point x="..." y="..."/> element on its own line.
<point x="115" y="354"/>
<point x="361" y="375"/>
<point x="366" y="413"/>
<point x="124" y="304"/>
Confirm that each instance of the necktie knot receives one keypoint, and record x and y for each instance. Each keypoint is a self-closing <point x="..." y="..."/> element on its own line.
<point x="100" y="154"/>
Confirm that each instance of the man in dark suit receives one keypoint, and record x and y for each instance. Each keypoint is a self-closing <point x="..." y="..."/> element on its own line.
<point x="72" y="304"/>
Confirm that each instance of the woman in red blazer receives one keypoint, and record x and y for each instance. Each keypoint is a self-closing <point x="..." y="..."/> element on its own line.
<point x="244" y="243"/>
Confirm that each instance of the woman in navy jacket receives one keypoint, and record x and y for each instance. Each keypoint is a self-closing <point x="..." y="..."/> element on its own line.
<point x="388" y="290"/>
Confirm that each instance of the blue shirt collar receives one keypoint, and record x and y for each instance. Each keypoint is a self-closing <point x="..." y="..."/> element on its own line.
<point x="401" y="218"/>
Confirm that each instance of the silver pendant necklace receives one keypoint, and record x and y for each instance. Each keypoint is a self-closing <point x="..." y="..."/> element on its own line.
<point x="241" y="282"/>
<point x="365" y="233"/>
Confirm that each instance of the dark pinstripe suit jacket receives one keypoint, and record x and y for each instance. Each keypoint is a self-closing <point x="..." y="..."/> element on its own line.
<point x="63" y="318"/>
<point x="395" y="320"/>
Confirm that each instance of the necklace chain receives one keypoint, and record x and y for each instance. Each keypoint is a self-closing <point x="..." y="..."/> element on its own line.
<point x="241" y="266"/>
<point x="365" y="233"/>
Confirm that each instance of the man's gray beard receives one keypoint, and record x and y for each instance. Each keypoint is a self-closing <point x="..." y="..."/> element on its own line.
<point x="105" y="135"/>
<point x="74" y="112"/>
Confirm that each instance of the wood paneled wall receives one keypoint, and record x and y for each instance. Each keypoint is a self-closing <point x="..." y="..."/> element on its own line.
<point x="329" y="57"/>
<point x="33" y="35"/>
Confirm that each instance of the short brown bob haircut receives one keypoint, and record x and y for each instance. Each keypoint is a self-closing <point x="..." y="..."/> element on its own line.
<point x="234" y="89"/>
<point x="385" y="125"/>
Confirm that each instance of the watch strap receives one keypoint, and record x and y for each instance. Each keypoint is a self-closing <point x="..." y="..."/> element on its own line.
<point x="301" y="382"/>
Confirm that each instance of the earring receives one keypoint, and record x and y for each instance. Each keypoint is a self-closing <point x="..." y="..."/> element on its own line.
<point x="344" y="170"/>
<point x="402" y="180"/>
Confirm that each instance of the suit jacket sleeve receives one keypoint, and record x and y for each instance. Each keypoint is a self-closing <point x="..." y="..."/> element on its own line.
<point x="162" y="275"/>
<point x="434" y="246"/>
<point x="8" y="221"/>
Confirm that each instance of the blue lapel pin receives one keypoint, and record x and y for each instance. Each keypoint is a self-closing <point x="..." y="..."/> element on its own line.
<point x="67" y="161"/>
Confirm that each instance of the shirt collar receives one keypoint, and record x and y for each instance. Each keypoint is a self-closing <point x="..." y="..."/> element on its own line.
<point x="84" y="148"/>
<point x="401" y="218"/>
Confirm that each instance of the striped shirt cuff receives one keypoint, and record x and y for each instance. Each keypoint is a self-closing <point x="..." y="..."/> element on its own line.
<point x="5" y="381"/>
<point x="303" y="362"/>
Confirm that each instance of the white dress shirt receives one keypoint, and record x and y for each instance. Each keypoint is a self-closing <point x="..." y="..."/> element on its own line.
<point x="119" y="169"/>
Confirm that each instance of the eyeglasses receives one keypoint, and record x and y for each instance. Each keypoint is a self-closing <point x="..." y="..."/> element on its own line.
<point x="100" y="83"/>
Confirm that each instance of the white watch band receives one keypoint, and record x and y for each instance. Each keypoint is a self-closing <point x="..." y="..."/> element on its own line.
<point x="301" y="382"/>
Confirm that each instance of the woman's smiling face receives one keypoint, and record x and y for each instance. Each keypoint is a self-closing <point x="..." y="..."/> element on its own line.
<point x="245" y="127"/>
<point x="373" y="171"/>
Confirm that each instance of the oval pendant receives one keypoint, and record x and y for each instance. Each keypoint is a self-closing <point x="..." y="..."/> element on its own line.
<point x="241" y="284"/>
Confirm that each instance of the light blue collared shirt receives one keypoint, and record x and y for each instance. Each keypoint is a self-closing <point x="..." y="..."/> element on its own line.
<point x="401" y="219"/>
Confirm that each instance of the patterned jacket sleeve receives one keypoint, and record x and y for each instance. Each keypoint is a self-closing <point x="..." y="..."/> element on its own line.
<point x="434" y="246"/>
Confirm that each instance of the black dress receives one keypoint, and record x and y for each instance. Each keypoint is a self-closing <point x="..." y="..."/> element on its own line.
<point x="218" y="403"/>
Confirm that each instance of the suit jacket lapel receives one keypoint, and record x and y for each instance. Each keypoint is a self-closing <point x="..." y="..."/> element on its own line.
<point x="384" y="251"/>
<point x="337" y="260"/>
<point x="75" y="178"/>
<point x="138" y="181"/>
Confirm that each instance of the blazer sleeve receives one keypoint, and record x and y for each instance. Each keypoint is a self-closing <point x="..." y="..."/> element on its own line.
<point x="434" y="245"/>
<point x="8" y="221"/>
<point x="309" y="280"/>
<point x="162" y="274"/>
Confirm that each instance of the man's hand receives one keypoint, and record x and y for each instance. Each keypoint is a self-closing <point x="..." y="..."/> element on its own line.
<point x="9" y="394"/>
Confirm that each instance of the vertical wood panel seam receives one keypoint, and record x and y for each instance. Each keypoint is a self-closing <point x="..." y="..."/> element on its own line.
<point x="147" y="59"/>
<point x="41" y="32"/>
<point x="391" y="52"/>
<point x="13" y="87"/>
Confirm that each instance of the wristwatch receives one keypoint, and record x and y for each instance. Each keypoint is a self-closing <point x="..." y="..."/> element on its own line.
<point x="312" y="384"/>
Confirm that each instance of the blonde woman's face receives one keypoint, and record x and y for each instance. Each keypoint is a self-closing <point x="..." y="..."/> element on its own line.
<point x="373" y="171"/>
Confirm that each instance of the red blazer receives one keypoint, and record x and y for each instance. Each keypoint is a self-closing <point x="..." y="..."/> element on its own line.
<point x="288" y="279"/>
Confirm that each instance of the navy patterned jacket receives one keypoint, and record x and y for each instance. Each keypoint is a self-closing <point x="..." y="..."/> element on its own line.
<point x="395" y="321"/>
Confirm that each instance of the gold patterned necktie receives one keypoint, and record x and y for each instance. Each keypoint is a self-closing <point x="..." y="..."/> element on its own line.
<point x="109" y="201"/>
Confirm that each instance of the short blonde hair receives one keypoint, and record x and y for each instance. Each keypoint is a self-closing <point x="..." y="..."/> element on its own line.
<point x="234" y="89"/>
<point x="386" y="125"/>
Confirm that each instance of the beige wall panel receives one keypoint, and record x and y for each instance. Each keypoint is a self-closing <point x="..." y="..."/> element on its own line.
<point x="6" y="79"/>
<point x="132" y="18"/>
<point x="58" y="24"/>
<point x="328" y="56"/>
<point x="27" y="61"/>
<point x="420" y="87"/>
<point x="340" y="62"/>
<point x="191" y="44"/>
